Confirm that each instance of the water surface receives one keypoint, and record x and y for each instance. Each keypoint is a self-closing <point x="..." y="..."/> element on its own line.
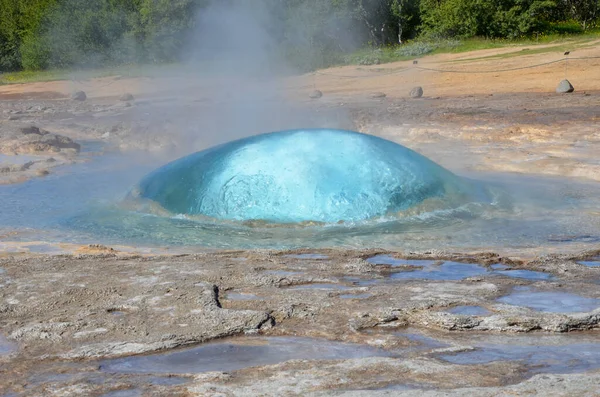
<point x="231" y="356"/>
<point x="82" y="204"/>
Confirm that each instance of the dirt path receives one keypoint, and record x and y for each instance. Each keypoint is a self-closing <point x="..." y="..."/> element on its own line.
<point x="395" y="79"/>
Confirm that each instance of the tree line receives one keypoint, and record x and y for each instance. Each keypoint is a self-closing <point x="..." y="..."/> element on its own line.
<point x="42" y="34"/>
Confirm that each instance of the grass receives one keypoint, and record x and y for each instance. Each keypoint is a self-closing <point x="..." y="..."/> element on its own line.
<point x="420" y="48"/>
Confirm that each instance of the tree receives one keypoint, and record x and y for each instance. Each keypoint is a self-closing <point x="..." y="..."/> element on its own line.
<point x="585" y="12"/>
<point x="406" y="15"/>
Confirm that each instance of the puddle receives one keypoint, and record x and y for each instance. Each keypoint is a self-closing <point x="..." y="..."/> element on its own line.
<point x="6" y="347"/>
<point x="235" y="355"/>
<point x="117" y="313"/>
<point x="123" y="393"/>
<point x="357" y="296"/>
<point x="307" y="256"/>
<point x="166" y="380"/>
<point x="422" y="341"/>
<point x="322" y="286"/>
<point x="390" y="260"/>
<point x="595" y="262"/>
<point x="542" y="353"/>
<point x="428" y="270"/>
<point x="551" y="302"/>
<point x="526" y="274"/>
<point x="445" y="271"/>
<point x="240" y="296"/>
<point x="470" y="311"/>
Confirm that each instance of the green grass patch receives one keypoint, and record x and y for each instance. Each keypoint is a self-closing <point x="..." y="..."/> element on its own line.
<point x="421" y="48"/>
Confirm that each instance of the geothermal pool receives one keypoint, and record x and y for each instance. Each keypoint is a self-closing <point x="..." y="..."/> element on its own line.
<point x="303" y="188"/>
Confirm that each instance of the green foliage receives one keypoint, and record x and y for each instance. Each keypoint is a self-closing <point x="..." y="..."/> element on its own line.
<point x="489" y="18"/>
<point x="42" y="34"/>
<point x="585" y="12"/>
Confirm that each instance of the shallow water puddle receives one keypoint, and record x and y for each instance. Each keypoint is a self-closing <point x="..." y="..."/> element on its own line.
<point x="123" y="393"/>
<point x="551" y="302"/>
<point x="542" y="353"/>
<point x="525" y="274"/>
<point x="394" y="262"/>
<point x="445" y="271"/>
<point x="6" y="347"/>
<point x="470" y="311"/>
<point x="321" y="286"/>
<point x="424" y="342"/>
<point x="235" y="355"/>
<point x="594" y="262"/>
<point x="448" y="270"/>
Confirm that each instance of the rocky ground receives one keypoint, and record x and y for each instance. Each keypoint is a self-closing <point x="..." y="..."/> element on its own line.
<point x="447" y="330"/>
<point x="69" y="314"/>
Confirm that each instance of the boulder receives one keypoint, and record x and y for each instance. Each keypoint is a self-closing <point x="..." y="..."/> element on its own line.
<point x="416" y="92"/>
<point x="126" y="97"/>
<point x="378" y="95"/>
<point x="564" y="87"/>
<point x="79" y="96"/>
<point x="316" y="94"/>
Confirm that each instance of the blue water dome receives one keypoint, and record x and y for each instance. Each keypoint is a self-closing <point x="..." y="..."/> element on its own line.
<point x="313" y="175"/>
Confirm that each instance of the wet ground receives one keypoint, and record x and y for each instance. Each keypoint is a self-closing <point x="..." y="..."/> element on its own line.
<point x="108" y="321"/>
<point x="483" y="302"/>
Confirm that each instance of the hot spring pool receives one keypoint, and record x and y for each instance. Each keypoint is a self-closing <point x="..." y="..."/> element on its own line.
<point x="310" y="188"/>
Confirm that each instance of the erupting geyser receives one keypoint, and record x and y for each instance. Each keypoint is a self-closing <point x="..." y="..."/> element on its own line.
<point x="295" y="176"/>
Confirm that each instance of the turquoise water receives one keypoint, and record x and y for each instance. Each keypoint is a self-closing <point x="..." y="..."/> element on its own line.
<point x="318" y="175"/>
<point x="86" y="203"/>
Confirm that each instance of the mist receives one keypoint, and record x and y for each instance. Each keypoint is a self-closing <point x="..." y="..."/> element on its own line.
<point x="234" y="65"/>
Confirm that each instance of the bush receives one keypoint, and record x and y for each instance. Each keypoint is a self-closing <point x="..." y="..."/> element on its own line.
<point x="35" y="53"/>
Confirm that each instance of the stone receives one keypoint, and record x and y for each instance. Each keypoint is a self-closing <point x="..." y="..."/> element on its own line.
<point x="316" y="94"/>
<point x="79" y="96"/>
<point x="33" y="130"/>
<point x="32" y="139"/>
<point x="564" y="87"/>
<point x="416" y="92"/>
<point x="126" y="97"/>
<point x="378" y="95"/>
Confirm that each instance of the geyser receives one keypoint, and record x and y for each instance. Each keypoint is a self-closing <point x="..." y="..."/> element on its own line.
<point x="298" y="176"/>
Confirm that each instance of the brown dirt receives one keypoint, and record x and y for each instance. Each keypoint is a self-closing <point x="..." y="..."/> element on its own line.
<point x="395" y="79"/>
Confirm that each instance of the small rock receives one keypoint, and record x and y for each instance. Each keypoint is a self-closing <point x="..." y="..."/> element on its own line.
<point x="42" y="172"/>
<point x="33" y="130"/>
<point x="564" y="87"/>
<point x="378" y="95"/>
<point x="79" y="96"/>
<point x="316" y="94"/>
<point x="416" y="92"/>
<point x="126" y="97"/>
<point x="13" y="117"/>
